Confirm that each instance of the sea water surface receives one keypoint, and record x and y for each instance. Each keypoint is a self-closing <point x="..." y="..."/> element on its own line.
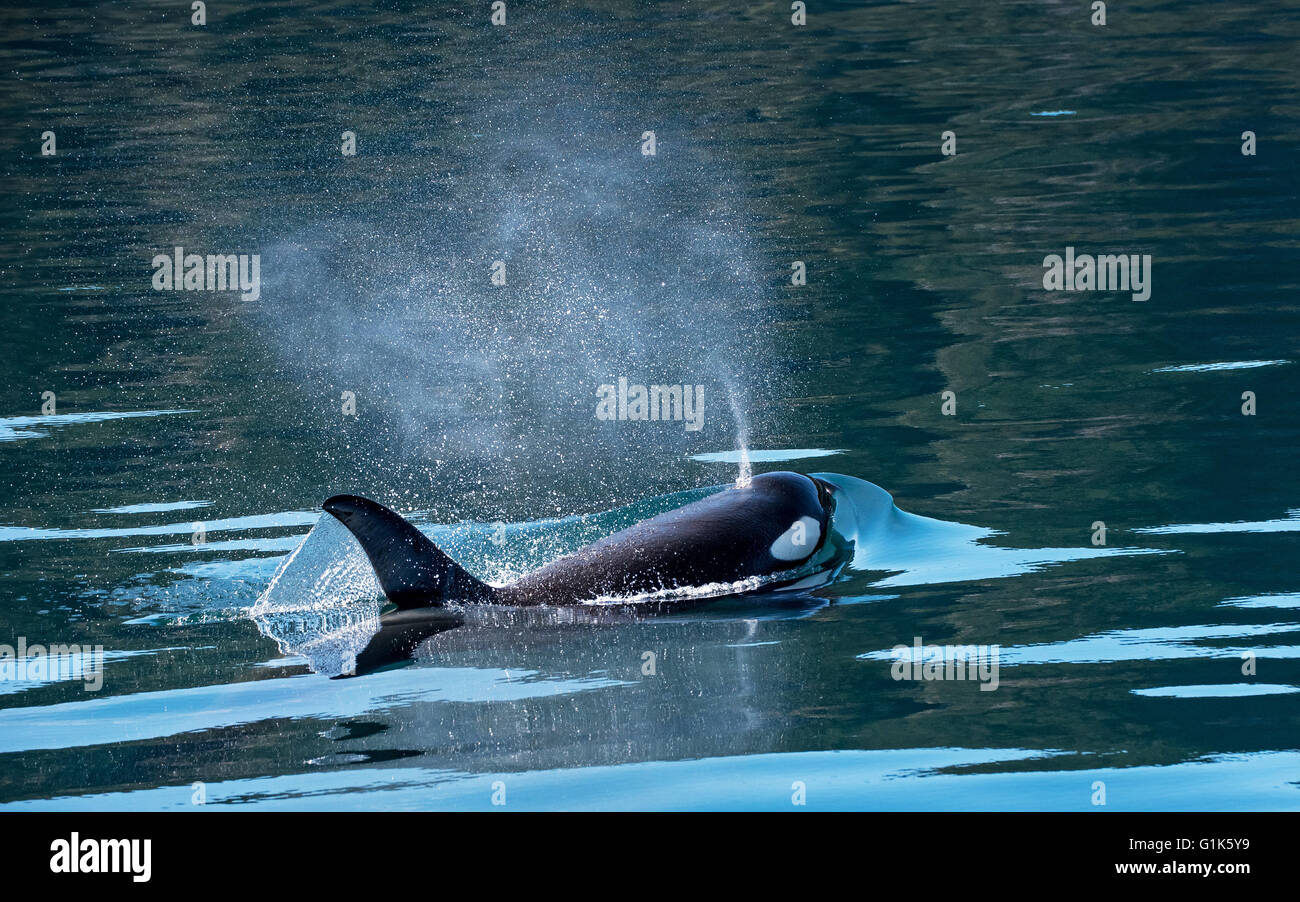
<point x="189" y="437"/>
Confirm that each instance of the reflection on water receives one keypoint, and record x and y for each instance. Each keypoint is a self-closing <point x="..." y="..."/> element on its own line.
<point x="1232" y="690"/>
<point x="888" y="780"/>
<point x="1162" y="662"/>
<point x="14" y="428"/>
<point x="1287" y="600"/>
<point x="1144" y="645"/>
<point x="177" y="712"/>
<point x="1290" y="523"/>
<point x="763" y="457"/>
<point x="1218" y="367"/>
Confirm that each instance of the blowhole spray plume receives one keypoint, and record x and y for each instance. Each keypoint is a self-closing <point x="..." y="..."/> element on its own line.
<point x="746" y="473"/>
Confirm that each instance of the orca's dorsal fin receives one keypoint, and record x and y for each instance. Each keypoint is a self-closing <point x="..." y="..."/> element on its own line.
<point x="412" y="571"/>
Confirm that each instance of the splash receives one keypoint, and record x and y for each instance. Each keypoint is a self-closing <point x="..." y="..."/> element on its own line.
<point x="323" y="602"/>
<point x="746" y="474"/>
<point x="683" y="593"/>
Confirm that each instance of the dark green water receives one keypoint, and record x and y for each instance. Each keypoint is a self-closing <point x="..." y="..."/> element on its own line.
<point x="1120" y="664"/>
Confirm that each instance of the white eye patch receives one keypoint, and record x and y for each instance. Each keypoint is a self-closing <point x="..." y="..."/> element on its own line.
<point x="797" y="542"/>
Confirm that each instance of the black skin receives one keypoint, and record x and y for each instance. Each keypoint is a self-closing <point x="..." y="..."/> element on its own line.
<point x="723" y="538"/>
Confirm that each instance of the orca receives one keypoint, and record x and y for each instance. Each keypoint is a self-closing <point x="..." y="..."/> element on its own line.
<point x="775" y="533"/>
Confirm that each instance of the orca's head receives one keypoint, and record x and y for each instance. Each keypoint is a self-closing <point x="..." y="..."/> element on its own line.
<point x="798" y="515"/>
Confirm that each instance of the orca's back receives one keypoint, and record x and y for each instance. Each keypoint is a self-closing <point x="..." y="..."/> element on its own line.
<point x="773" y="525"/>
